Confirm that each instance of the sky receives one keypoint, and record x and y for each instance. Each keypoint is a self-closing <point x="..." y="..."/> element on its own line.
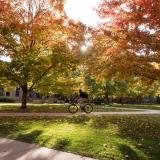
<point x="5" y="58"/>
<point x="83" y="10"/>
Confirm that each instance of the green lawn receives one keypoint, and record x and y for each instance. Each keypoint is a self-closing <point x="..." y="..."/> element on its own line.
<point x="104" y="138"/>
<point x="137" y="106"/>
<point x="57" y="108"/>
<point x="34" y="107"/>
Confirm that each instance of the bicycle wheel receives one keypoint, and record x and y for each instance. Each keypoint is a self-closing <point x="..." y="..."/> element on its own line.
<point x="88" y="108"/>
<point x="73" y="108"/>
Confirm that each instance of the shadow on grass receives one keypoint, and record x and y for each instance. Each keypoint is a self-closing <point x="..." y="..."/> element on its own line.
<point x="62" y="143"/>
<point x="29" y="137"/>
<point x="7" y="129"/>
<point x="8" y="126"/>
<point x="129" y="153"/>
<point x="142" y="131"/>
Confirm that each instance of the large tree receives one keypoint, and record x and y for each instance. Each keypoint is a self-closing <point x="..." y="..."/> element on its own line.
<point x="39" y="40"/>
<point x="128" y="41"/>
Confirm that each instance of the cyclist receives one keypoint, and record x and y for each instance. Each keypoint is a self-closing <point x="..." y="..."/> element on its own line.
<point x="83" y="98"/>
<point x="83" y="102"/>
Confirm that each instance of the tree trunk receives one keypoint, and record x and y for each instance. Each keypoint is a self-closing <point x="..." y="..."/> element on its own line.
<point x="24" y="98"/>
<point x="107" y="97"/>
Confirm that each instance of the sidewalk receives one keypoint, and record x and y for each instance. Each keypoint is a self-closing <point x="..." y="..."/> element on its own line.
<point x="41" y="114"/>
<point x="15" y="150"/>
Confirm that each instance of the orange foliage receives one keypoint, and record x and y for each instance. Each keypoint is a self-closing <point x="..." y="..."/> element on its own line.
<point x="129" y="39"/>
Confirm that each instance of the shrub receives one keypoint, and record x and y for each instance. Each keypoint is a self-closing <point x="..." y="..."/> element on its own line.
<point x="7" y="99"/>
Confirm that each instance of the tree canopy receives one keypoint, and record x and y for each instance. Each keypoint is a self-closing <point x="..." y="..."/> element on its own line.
<point x="39" y="39"/>
<point x="127" y="43"/>
<point x="45" y="48"/>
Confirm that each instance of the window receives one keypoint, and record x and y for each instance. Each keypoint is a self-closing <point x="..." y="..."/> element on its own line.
<point x="8" y="93"/>
<point x="17" y="92"/>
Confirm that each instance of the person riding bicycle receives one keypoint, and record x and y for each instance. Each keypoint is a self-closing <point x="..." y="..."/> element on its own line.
<point x="83" y="103"/>
<point x="83" y="98"/>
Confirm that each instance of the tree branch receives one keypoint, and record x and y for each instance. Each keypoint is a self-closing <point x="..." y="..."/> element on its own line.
<point x="43" y="74"/>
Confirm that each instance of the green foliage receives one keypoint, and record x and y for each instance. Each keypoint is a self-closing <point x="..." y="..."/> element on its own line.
<point x="60" y="83"/>
<point x="7" y="99"/>
<point x="117" y="87"/>
<point x="107" y="88"/>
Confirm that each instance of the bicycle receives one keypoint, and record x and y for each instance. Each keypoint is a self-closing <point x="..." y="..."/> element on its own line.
<point x="86" y="107"/>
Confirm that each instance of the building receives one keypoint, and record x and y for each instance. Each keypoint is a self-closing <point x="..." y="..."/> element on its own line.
<point x="15" y="92"/>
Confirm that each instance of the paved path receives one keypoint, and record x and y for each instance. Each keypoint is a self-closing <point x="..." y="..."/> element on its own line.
<point x="125" y="108"/>
<point x="14" y="114"/>
<point x="14" y="150"/>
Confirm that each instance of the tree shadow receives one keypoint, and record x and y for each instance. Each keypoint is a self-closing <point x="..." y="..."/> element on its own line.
<point x="7" y="127"/>
<point x="29" y="137"/>
<point x="141" y="131"/>
<point x="129" y="153"/>
<point x="144" y="134"/>
<point x="62" y="144"/>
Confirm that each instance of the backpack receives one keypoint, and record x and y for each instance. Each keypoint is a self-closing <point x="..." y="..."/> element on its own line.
<point x="84" y="95"/>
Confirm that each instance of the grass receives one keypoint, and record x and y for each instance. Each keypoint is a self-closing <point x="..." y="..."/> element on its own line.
<point x="56" y="108"/>
<point x="34" y="107"/>
<point x="104" y="138"/>
<point x="136" y="106"/>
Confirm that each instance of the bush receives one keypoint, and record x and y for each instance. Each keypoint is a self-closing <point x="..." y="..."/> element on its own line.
<point x="99" y="100"/>
<point x="7" y="99"/>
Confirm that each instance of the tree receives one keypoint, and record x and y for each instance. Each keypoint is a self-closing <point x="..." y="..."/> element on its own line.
<point x="39" y="41"/>
<point x="107" y="88"/>
<point x="64" y="83"/>
<point x="128" y="41"/>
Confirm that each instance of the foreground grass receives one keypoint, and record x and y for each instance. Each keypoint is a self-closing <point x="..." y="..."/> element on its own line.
<point x="56" y="108"/>
<point x="104" y="138"/>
